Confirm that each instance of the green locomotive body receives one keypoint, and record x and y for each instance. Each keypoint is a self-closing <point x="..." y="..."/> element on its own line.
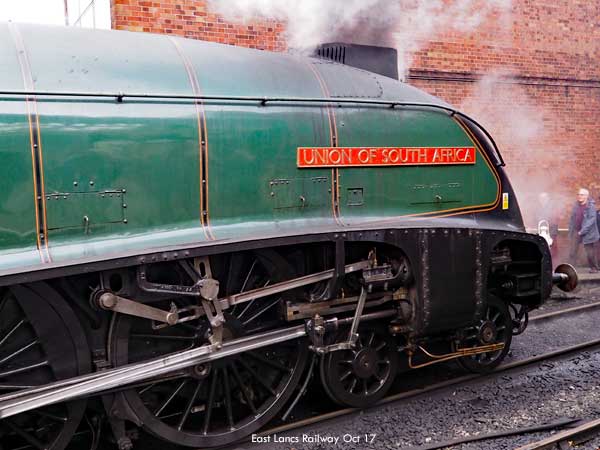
<point x="129" y="176"/>
<point x="152" y="182"/>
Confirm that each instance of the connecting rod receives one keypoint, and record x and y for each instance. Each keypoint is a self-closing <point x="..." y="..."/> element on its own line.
<point x="91" y="384"/>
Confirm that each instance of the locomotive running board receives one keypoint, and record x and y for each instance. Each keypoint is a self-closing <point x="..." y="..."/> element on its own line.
<point x="94" y="383"/>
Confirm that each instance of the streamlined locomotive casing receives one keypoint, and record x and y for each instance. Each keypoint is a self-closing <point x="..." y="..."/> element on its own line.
<point x="99" y="177"/>
<point x="183" y="223"/>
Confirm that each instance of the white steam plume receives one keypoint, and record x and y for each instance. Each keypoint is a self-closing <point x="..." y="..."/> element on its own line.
<point x="537" y="156"/>
<point x="403" y="24"/>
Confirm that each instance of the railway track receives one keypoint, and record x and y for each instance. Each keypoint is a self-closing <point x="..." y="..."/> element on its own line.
<point x="582" y="431"/>
<point x="563" y="311"/>
<point x="566" y="351"/>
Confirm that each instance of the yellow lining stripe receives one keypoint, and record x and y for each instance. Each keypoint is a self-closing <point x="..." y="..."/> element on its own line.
<point x="35" y="139"/>
<point x="202" y="140"/>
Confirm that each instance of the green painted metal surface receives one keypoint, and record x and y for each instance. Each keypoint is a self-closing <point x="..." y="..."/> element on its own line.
<point x="396" y="191"/>
<point x="126" y="176"/>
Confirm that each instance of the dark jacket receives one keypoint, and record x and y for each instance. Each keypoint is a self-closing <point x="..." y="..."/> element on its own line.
<point x="589" y="229"/>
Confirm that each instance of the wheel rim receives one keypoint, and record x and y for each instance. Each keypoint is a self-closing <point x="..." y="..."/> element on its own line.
<point x="213" y="404"/>
<point x="362" y="376"/>
<point x="30" y="356"/>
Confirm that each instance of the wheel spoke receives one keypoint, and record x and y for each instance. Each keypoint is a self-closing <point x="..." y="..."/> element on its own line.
<point x="261" y="312"/>
<point x="26" y="436"/>
<point x="249" y="305"/>
<point x="170" y="398"/>
<point x="211" y="401"/>
<point x="365" y="387"/>
<point x="371" y="339"/>
<point x="23" y="369"/>
<point x="228" y="398"/>
<point x="381" y="346"/>
<point x="190" y="405"/>
<point x="11" y="332"/>
<point x="353" y="385"/>
<point x="359" y="344"/>
<point x="147" y="388"/>
<point x="346" y="361"/>
<point x="345" y="375"/>
<point x="257" y="377"/>
<point x="18" y="352"/>
<point x="54" y="417"/>
<point x="248" y="276"/>
<point x="238" y="380"/>
<point x="496" y="317"/>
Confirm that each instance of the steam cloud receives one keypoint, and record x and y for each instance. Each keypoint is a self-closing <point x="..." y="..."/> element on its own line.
<point x="525" y="131"/>
<point x="519" y="123"/>
<point x="402" y="24"/>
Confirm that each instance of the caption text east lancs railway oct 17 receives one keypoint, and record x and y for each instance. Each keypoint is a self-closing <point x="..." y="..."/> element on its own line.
<point x="347" y="438"/>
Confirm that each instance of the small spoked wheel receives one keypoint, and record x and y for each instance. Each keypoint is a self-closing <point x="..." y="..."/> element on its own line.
<point x="362" y="376"/>
<point x="495" y="327"/>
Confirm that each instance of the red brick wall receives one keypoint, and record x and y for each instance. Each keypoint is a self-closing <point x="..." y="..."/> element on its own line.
<point x="531" y="76"/>
<point x="192" y="19"/>
<point x="535" y="84"/>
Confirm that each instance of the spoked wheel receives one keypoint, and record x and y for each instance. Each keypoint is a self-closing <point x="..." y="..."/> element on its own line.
<point x="360" y="377"/>
<point x="218" y="403"/>
<point x="41" y="341"/>
<point x="494" y="328"/>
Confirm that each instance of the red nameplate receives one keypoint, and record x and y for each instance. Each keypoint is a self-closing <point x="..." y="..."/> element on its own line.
<point x="383" y="156"/>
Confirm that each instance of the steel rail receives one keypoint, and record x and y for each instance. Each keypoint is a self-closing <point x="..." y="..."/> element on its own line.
<point x="550" y="442"/>
<point x="560" y="312"/>
<point x="498" y="434"/>
<point x="120" y="96"/>
<point x="85" y="385"/>
<point x="434" y="387"/>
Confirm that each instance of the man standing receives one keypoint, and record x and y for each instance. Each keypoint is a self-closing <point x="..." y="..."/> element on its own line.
<point x="583" y="229"/>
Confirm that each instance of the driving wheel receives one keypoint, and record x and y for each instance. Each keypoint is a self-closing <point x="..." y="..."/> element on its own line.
<point x="217" y="403"/>
<point x="41" y="341"/>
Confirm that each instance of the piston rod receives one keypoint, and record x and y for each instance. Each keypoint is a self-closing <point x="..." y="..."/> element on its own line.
<point x="85" y="385"/>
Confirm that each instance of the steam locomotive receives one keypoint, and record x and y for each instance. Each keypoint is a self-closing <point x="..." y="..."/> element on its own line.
<point x="184" y="225"/>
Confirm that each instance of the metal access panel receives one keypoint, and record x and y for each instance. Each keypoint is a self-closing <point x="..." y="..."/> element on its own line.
<point x="307" y="192"/>
<point x="85" y="209"/>
<point x="452" y="272"/>
<point x="437" y="193"/>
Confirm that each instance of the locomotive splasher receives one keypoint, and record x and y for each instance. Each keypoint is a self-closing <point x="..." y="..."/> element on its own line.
<point x="184" y="223"/>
